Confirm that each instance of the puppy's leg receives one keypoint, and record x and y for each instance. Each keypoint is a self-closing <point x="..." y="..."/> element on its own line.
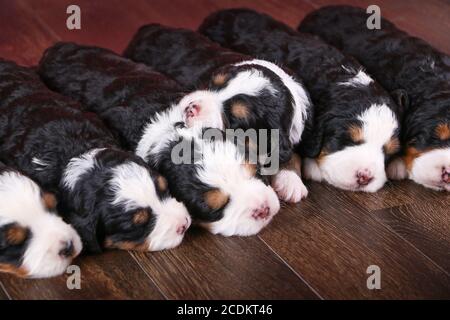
<point x="288" y="183"/>
<point x="396" y="169"/>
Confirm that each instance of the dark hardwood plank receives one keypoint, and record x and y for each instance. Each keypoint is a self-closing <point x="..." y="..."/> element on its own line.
<point x="393" y="194"/>
<point x="3" y="293"/>
<point x="424" y="224"/>
<point x="425" y="19"/>
<point x="330" y="241"/>
<point x="112" y="275"/>
<point x="23" y="37"/>
<point x="213" y="267"/>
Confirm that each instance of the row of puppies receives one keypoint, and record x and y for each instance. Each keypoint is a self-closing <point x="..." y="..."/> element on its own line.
<point x="355" y="126"/>
<point x="356" y="122"/>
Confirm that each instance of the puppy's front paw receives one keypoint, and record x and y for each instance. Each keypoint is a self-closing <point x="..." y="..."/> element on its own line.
<point x="396" y="169"/>
<point x="289" y="186"/>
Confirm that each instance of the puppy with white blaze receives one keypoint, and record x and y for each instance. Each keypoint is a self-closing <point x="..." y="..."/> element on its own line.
<point x="232" y="91"/>
<point x="34" y="241"/>
<point x="111" y="197"/>
<point x="221" y="191"/>
<point x="400" y="61"/>
<point x="356" y="123"/>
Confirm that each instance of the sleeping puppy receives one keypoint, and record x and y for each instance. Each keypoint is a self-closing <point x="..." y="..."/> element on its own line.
<point x="34" y="241"/>
<point x="221" y="190"/>
<point x="237" y="92"/>
<point x="400" y="61"/>
<point x="110" y="197"/>
<point x="356" y="123"/>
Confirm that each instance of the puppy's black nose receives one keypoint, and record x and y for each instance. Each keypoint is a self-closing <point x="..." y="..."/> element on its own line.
<point x="68" y="250"/>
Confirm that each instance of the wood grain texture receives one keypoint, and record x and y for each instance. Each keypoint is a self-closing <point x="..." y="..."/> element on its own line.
<point x="3" y="293"/>
<point x="212" y="267"/>
<point x="112" y="275"/>
<point x="331" y="241"/>
<point x="426" y="225"/>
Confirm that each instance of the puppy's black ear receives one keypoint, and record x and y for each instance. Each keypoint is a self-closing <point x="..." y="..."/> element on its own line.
<point x="312" y="140"/>
<point x="401" y="98"/>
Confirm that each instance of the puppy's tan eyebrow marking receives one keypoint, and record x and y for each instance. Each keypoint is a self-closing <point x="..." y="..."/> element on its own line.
<point x="16" y="235"/>
<point x="443" y="131"/>
<point x="220" y="79"/>
<point x="392" y="146"/>
<point x="141" y="217"/>
<point x="240" y="110"/>
<point x="216" y="199"/>
<point x="49" y="200"/>
<point x="162" y="183"/>
<point x="356" y="133"/>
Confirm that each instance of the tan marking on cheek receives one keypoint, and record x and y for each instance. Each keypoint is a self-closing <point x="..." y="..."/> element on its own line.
<point x="392" y="146"/>
<point x="18" y="271"/>
<point x="356" y="133"/>
<point x="220" y="79"/>
<point x="162" y="183"/>
<point x="216" y="199"/>
<point x="49" y="200"/>
<point x="127" y="245"/>
<point x="443" y="131"/>
<point x="16" y="235"/>
<point x="141" y="217"/>
<point x="411" y="154"/>
<point x="250" y="167"/>
<point x="323" y="154"/>
<point x="240" y="110"/>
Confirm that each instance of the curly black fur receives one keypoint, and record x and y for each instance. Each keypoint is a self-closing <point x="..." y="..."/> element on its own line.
<point x="398" y="61"/>
<point x="37" y="123"/>
<point x="319" y="65"/>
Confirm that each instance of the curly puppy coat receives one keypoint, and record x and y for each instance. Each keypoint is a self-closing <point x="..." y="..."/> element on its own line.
<point x="141" y="106"/>
<point x="111" y="197"/>
<point x="356" y="123"/>
<point x="237" y="92"/>
<point x="400" y="61"/>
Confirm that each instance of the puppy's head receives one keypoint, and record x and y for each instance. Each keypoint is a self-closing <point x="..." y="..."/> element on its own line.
<point x="34" y="241"/>
<point x="209" y="175"/>
<point x="250" y="94"/>
<point x="355" y="149"/>
<point x="116" y="201"/>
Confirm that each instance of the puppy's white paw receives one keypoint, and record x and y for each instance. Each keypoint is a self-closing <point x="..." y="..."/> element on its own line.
<point x="289" y="186"/>
<point x="396" y="169"/>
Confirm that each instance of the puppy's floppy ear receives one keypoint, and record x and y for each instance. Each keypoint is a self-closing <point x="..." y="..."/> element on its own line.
<point x="312" y="140"/>
<point x="401" y="98"/>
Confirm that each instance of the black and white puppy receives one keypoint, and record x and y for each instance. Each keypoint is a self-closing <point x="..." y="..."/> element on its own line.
<point x="356" y="123"/>
<point x="400" y="61"/>
<point x="220" y="190"/>
<point x="235" y="91"/>
<point x="34" y="241"/>
<point x="111" y="197"/>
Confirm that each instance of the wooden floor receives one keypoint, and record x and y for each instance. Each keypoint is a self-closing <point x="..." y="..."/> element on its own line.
<point x="319" y="249"/>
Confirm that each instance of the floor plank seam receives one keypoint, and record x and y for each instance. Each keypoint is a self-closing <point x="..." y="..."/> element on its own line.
<point x="149" y="277"/>
<point x="2" y="287"/>
<point x="315" y="291"/>
<point x="387" y="227"/>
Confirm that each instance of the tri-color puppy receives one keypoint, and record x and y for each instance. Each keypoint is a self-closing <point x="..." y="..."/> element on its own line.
<point x="356" y="123"/>
<point x="220" y="190"/>
<point x="111" y="197"/>
<point x="400" y="61"/>
<point x="34" y="241"/>
<point x="237" y="92"/>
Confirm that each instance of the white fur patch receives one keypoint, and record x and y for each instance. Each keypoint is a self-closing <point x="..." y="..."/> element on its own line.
<point x="79" y="166"/>
<point x="134" y="188"/>
<point x="360" y="79"/>
<point x="427" y="169"/>
<point x="21" y="203"/>
<point x="301" y="99"/>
